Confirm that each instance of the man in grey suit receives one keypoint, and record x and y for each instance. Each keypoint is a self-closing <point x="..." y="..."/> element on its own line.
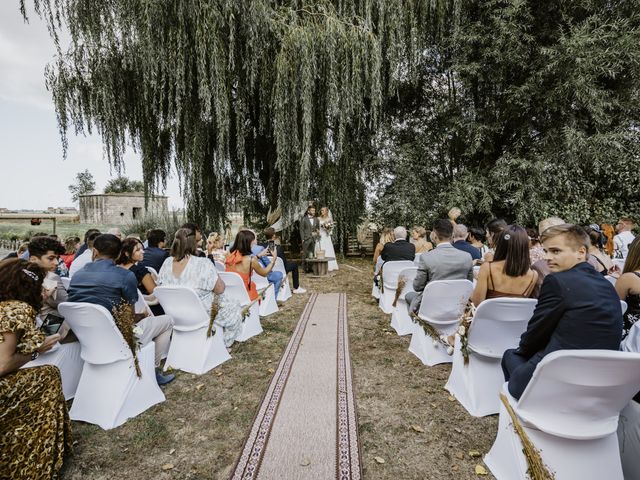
<point x="309" y="231"/>
<point x="444" y="262"/>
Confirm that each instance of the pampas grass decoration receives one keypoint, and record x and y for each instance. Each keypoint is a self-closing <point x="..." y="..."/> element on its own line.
<point x="537" y="469"/>
<point x="125" y="321"/>
<point x="429" y="329"/>
<point x="215" y="308"/>
<point x="402" y="282"/>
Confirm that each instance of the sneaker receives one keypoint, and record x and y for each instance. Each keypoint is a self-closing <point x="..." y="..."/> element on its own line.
<point x="299" y="290"/>
<point x="164" y="379"/>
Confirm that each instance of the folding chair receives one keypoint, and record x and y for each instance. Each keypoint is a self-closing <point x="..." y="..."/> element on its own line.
<point x="235" y="288"/>
<point x="497" y="326"/>
<point x="190" y="349"/>
<point x="65" y="282"/>
<point x="65" y="356"/>
<point x="285" y="290"/>
<point x="569" y="411"/>
<point x="109" y="391"/>
<point x="443" y="303"/>
<point x="401" y="322"/>
<point x="390" y="272"/>
<point x="268" y="304"/>
<point x="219" y="266"/>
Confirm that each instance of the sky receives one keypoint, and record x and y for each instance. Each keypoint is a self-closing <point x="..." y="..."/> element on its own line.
<point x="33" y="172"/>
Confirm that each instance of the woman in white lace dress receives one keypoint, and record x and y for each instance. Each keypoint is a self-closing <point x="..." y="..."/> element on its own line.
<point x="326" y="244"/>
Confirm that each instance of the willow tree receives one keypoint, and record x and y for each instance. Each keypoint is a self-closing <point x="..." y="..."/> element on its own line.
<point x="258" y="103"/>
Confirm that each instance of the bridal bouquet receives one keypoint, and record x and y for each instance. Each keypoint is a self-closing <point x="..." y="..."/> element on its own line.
<point x="328" y="226"/>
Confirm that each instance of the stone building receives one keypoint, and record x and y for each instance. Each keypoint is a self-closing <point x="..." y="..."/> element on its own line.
<point x="118" y="208"/>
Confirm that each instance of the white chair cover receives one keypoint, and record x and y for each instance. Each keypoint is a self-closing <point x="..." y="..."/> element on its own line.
<point x="219" y="266"/>
<point x="235" y="288"/>
<point x="375" y="291"/>
<point x="611" y="279"/>
<point x="623" y="306"/>
<point x="65" y="356"/>
<point x="285" y="290"/>
<point x="390" y="272"/>
<point x="153" y="272"/>
<point x="443" y="303"/>
<point x="65" y="282"/>
<point x="416" y="259"/>
<point x="570" y="412"/>
<point x="268" y="304"/>
<point x="109" y="391"/>
<point x="190" y="350"/>
<point x="497" y="326"/>
<point x="400" y="320"/>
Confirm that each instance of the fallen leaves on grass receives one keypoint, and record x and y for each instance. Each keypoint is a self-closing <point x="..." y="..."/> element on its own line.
<point x="480" y="470"/>
<point x="418" y="429"/>
<point x="199" y="386"/>
<point x="167" y="466"/>
<point x="379" y="459"/>
<point x="474" y="453"/>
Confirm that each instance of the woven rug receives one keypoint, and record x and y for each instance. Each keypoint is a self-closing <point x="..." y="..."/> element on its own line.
<point x="306" y="425"/>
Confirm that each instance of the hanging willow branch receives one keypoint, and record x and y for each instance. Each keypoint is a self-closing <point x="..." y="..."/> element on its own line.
<point x="255" y="103"/>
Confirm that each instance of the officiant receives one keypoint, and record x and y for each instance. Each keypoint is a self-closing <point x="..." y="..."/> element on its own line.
<point x="309" y="232"/>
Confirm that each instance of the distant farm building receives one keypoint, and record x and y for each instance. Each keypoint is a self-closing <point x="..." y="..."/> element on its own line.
<point x="118" y="208"/>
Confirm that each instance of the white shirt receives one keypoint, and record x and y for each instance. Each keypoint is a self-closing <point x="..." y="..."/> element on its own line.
<point x="81" y="261"/>
<point x="622" y="241"/>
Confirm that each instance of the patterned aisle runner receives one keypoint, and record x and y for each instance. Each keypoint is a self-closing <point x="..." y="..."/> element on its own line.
<point x="306" y="426"/>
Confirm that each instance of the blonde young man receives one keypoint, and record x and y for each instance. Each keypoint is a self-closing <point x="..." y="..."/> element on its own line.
<point x="576" y="308"/>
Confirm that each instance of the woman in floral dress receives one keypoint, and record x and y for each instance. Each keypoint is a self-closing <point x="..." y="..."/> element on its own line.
<point x="35" y="431"/>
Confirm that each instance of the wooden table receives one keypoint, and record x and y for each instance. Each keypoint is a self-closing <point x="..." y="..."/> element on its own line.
<point x="320" y="266"/>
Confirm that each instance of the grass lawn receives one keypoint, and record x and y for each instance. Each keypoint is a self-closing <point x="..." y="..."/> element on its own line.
<point x="22" y="229"/>
<point x="199" y="431"/>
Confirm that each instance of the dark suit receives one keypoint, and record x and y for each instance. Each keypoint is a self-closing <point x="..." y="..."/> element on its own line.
<point x="398" y="250"/>
<point x="289" y="267"/>
<point x="308" y="226"/>
<point x="154" y="257"/>
<point x="577" y="309"/>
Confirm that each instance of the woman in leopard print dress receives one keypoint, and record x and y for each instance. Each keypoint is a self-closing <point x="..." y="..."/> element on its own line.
<point x="35" y="431"/>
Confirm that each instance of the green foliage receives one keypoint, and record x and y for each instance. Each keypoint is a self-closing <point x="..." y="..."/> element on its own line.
<point x="526" y="110"/>
<point x="122" y="184"/>
<point x="256" y="103"/>
<point x="84" y="184"/>
<point x="170" y="222"/>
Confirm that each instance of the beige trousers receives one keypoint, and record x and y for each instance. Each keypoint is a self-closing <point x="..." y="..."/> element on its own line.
<point x="159" y="330"/>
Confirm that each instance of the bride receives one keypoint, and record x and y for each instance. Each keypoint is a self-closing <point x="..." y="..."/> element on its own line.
<point x="326" y="225"/>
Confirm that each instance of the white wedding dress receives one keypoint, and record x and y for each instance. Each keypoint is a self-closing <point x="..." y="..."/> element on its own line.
<point x="326" y="244"/>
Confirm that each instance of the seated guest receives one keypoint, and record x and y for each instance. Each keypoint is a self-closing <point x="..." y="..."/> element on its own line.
<point x="460" y="234"/>
<point x="155" y="253"/>
<point x="419" y="237"/>
<point x="184" y="268"/>
<point x="44" y="251"/>
<point x="444" y="262"/>
<point x="24" y="247"/>
<point x="623" y="237"/>
<point x="399" y="249"/>
<point x="116" y="232"/>
<point x="101" y="282"/>
<point x="541" y="267"/>
<point x="509" y="274"/>
<point x="70" y="247"/>
<point x="264" y="256"/>
<point x="577" y="308"/>
<point x="628" y="286"/>
<point x="492" y="228"/>
<point x="599" y="259"/>
<point x="35" y="430"/>
<point x="131" y="258"/>
<point x="536" y="252"/>
<point x="86" y="257"/>
<point x="289" y="267"/>
<point x="195" y="228"/>
<point x="215" y="248"/>
<point x="477" y="237"/>
<point x="85" y="245"/>
<point x="241" y="261"/>
<point x="385" y="237"/>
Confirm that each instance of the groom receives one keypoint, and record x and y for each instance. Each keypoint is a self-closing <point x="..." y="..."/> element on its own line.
<point x="309" y="230"/>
